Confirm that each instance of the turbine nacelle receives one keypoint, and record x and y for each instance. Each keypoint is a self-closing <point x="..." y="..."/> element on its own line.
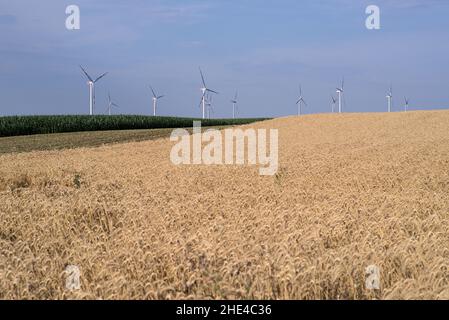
<point x="339" y="91"/>
<point x="390" y="93"/>
<point x="155" y="98"/>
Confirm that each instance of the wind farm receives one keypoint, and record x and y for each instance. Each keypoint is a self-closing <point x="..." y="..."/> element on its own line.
<point x="19" y="125"/>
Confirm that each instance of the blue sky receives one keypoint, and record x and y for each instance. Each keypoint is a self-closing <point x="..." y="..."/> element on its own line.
<point x="262" y="48"/>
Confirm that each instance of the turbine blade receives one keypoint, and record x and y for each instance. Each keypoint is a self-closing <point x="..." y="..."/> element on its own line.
<point x="209" y="90"/>
<point x="201" y="100"/>
<point x="160" y="97"/>
<point x="202" y="77"/>
<point x="154" y="94"/>
<point x="87" y="75"/>
<point x="101" y="76"/>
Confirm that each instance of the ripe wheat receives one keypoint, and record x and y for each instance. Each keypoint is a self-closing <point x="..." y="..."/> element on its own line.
<point x="352" y="190"/>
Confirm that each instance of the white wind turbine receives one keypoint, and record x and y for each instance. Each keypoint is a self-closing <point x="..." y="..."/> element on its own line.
<point x="340" y="92"/>
<point x="204" y="90"/>
<point x="155" y="99"/>
<point x="390" y="98"/>
<point x="334" y="102"/>
<point x="111" y="104"/>
<point x="406" y="103"/>
<point x="300" y="101"/>
<point x="234" y="105"/>
<point x="91" y="84"/>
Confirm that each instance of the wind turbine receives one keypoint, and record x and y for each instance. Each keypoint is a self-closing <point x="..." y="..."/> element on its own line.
<point x="91" y="84"/>
<point x="300" y="101"/>
<point x="334" y="101"/>
<point x="209" y="105"/>
<point x="406" y="103"/>
<point x="111" y="104"/>
<point x="155" y="99"/>
<point x="234" y="104"/>
<point x="390" y="98"/>
<point x="204" y="90"/>
<point x="340" y="94"/>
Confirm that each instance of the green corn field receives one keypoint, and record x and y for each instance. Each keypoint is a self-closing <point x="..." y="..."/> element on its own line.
<point x="28" y="125"/>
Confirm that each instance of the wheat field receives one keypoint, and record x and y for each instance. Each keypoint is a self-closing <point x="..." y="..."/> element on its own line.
<point x="352" y="190"/>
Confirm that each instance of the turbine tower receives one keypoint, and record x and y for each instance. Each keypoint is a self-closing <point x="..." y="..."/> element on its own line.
<point x="300" y="101"/>
<point x="91" y="84"/>
<point x="234" y="104"/>
<point x="406" y="103"/>
<point x="155" y="99"/>
<point x="111" y="104"/>
<point x="334" y="102"/>
<point x="209" y="108"/>
<point x="204" y="90"/>
<point x="340" y="94"/>
<point x="390" y="98"/>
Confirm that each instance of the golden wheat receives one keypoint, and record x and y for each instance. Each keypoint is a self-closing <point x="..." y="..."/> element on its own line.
<point x="352" y="190"/>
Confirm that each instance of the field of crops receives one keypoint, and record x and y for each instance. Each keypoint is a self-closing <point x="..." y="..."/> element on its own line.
<point x="352" y="191"/>
<point x="27" y="125"/>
